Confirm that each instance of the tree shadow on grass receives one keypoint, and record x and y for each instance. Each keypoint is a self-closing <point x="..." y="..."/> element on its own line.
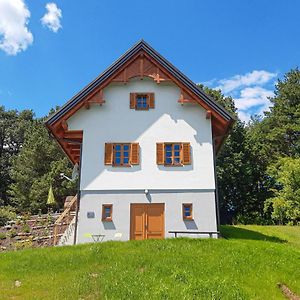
<point x="232" y="232"/>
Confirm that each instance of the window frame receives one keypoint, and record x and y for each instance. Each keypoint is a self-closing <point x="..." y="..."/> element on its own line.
<point x="114" y="157"/>
<point x="104" y="218"/>
<point x="190" y="217"/>
<point x="173" y="156"/>
<point x="144" y="95"/>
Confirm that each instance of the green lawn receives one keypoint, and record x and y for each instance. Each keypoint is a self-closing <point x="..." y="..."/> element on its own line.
<point x="247" y="264"/>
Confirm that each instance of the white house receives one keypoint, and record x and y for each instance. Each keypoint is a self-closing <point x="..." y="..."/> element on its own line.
<point x="145" y="138"/>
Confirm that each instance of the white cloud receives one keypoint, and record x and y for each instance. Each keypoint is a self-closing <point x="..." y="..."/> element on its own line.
<point x="253" y="100"/>
<point x="52" y="17"/>
<point x="253" y="96"/>
<point x="250" y="91"/>
<point x="14" y="33"/>
<point x="237" y="81"/>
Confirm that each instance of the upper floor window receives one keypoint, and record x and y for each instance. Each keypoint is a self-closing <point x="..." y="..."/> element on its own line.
<point x="141" y="101"/>
<point x="121" y="154"/>
<point x="173" y="154"/>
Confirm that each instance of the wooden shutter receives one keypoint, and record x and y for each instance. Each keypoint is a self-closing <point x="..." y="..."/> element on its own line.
<point x="132" y="100"/>
<point x="160" y="149"/>
<point x="186" y="153"/>
<point x="108" y="156"/>
<point x="151" y="100"/>
<point x="135" y="153"/>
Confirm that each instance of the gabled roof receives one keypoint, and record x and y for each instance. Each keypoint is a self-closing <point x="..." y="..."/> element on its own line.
<point x="141" y="45"/>
<point x="140" y="60"/>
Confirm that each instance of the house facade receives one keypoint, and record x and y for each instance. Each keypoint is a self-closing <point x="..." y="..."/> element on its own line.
<point x="145" y="138"/>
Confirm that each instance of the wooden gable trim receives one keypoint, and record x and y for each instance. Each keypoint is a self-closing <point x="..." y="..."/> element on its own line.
<point x="128" y="56"/>
<point x="185" y="98"/>
<point x="97" y="98"/>
<point x="140" y="65"/>
<point x="189" y="96"/>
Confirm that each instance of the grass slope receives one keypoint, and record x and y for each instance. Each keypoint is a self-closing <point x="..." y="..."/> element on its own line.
<point x="247" y="264"/>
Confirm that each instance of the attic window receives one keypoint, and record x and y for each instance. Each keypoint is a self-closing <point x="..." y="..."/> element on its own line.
<point x="141" y="101"/>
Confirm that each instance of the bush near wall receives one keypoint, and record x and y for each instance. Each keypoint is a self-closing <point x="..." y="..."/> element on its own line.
<point x="7" y="213"/>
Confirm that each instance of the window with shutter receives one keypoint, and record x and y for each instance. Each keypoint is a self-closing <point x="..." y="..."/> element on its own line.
<point x="141" y="101"/>
<point x="122" y="154"/>
<point x="173" y="154"/>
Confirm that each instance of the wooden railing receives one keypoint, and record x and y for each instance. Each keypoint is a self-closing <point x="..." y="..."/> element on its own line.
<point x="64" y="220"/>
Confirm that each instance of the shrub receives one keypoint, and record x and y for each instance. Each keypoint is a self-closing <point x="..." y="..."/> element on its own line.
<point x="7" y="213"/>
<point x="12" y="233"/>
<point x="2" y="236"/>
<point x="26" y="228"/>
<point x="23" y="245"/>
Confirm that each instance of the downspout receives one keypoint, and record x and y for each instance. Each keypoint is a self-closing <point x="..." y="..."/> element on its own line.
<point x="78" y="197"/>
<point x="216" y="188"/>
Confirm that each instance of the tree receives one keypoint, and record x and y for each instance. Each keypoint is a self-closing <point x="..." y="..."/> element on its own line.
<point x="242" y="182"/>
<point x="285" y="204"/>
<point x="13" y="125"/>
<point x="274" y="137"/>
<point x="280" y="129"/>
<point x="38" y="166"/>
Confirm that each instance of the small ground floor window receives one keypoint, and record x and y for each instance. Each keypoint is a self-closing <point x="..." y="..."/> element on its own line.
<point x="187" y="211"/>
<point x="107" y="212"/>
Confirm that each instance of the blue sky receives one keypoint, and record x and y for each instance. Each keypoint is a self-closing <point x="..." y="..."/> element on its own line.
<point x="50" y="50"/>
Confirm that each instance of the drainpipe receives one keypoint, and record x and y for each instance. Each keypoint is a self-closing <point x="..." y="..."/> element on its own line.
<point x="216" y="188"/>
<point x="78" y="197"/>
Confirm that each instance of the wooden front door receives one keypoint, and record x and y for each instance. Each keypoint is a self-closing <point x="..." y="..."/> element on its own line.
<point x="147" y="221"/>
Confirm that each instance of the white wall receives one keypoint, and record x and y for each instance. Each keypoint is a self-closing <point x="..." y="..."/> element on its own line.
<point x="169" y="121"/>
<point x="204" y="213"/>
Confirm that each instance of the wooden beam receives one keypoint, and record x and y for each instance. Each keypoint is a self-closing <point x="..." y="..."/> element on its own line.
<point x="184" y="98"/>
<point x="141" y="66"/>
<point x="73" y="134"/>
<point x="96" y="99"/>
<point x="64" y="125"/>
<point x="125" y="79"/>
<point x="73" y="146"/>
<point x="208" y="115"/>
<point x="75" y="151"/>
